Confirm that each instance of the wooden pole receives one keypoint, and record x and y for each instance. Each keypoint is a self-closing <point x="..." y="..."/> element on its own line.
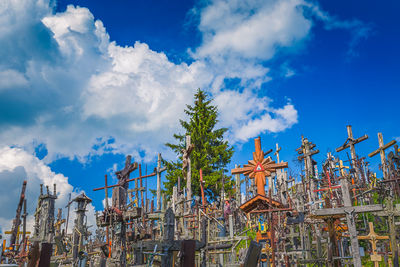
<point x="189" y="171"/>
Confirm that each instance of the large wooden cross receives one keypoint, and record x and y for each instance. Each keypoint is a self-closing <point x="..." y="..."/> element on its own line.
<point x="349" y="143"/>
<point x="381" y="151"/>
<point x="373" y="238"/>
<point x="259" y="167"/>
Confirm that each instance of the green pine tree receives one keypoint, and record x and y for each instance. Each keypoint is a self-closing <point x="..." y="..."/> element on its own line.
<point x="211" y="152"/>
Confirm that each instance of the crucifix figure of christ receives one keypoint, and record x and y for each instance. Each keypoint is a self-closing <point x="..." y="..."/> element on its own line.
<point x="373" y="238"/>
<point x="259" y="167"/>
<point x="186" y="167"/>
<point x="350" y="143"/>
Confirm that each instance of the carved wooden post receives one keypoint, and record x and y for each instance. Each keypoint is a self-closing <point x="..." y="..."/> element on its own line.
<point x="238" y="189"/>
<point x="169" y="232"/>
<point x="351" y="224"/>
<point x="189" y="170"/>
<point x="159" y="170"/>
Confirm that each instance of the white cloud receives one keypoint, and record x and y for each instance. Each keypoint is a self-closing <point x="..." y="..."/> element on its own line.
<point x="17" y="165"/>
<point x="67" y="86"/>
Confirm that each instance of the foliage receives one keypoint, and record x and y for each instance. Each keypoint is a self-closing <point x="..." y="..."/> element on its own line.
<point x="211" y="152"/>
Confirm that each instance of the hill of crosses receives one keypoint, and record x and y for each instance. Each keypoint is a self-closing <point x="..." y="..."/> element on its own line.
<point x="336" y="212"/>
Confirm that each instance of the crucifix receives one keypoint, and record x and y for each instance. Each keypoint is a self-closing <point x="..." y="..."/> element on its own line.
<point x="158" y="171"/>
<point x="186" y="167"/>
<point x="381" y="151"/>
<point x="259" y="167"/>
<point x="349" y="143"/>
<point x="373" y="238"/>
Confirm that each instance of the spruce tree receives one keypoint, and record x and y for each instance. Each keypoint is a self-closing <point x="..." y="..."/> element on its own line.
<point x="211" y="152"/>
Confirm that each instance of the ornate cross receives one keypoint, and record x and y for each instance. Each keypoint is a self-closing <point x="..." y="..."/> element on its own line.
<point x="373" y="238"/>
<point x="259" y="167"/>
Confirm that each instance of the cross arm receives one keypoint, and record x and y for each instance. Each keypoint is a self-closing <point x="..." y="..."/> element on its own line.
<point x="241" y="170"/>
<point x="343" y="210"/>
<point x="308" y="154"/>
<point x="126" y="171"/>
<point x="280" y="165"/>
<point x="351" y="141"/>
<point x="382" y="148"/>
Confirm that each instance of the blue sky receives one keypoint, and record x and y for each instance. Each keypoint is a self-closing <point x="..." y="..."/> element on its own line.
<point x="85" y="82"/>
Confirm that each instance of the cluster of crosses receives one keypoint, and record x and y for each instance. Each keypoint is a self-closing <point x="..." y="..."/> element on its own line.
<point x="336" y="215"/>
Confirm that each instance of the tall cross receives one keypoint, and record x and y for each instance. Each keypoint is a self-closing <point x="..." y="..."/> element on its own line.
<point x="381" y="151"/>
<point x="373" y="238"/>
<point x="259" y="167"/>
<point x="158" y="171"/>
<point x="186" y="166"/>
<point x="59" y="222"/>
<point x="306" y="151"/>
<point x="349" y="143"/>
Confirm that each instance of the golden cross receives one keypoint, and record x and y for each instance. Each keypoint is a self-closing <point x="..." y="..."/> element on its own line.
<point x="373" y="238"/>
<point x="341" y="168"/>
<point x="18" y="234"/>
<point x="259" y="167"/>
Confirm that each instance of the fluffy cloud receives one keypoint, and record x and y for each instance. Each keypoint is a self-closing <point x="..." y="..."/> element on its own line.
<point x="65" y="85"/>
<point x="17" y="165"/>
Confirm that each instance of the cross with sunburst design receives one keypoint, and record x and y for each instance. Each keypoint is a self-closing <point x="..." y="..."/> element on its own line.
<point x="259" y="167"/>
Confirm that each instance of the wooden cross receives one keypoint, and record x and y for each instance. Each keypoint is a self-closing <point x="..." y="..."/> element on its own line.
<point x="18" y="233"/>
<point x="373" y="238"/>
<point x="306" y="151"/>
<point x="330" y="187"/>
<point x="59" y="222"/>
<point x="381" y="151"/>
<point x="123" y="175"/>
<point x="349" y="143"/>
<point x="158" y="171"/>
<point x="259" y="167"/>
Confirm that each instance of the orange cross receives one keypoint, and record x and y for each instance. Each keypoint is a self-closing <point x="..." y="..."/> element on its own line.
<point x="259" y="167"/>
